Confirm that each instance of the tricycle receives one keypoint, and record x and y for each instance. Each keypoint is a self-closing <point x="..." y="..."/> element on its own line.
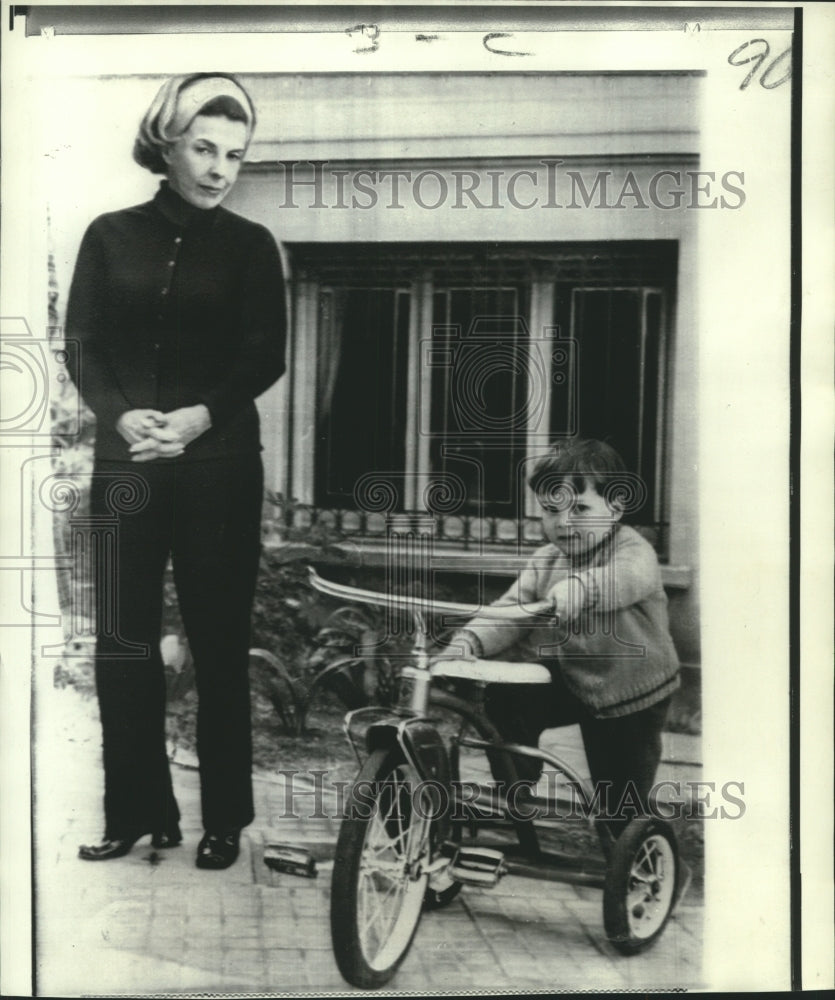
<point x="413" y="833"/>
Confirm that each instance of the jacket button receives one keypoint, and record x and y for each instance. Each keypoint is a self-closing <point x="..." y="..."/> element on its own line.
<point x="156" y="347"/>
<point x="178" y="239"/>
<point x="164" y="291"/>
<point x="171" y="263"/>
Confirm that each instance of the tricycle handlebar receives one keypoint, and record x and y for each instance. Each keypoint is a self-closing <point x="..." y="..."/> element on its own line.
<point x="506" y="613"/>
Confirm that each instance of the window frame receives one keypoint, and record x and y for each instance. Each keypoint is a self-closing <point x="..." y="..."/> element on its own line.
<point x="426" y="281"/>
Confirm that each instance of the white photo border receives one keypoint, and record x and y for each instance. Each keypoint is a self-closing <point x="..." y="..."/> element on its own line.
<point x="744" y="420"/>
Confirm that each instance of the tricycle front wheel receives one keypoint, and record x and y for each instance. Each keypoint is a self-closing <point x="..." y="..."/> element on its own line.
<point x="379" y="873"/>
<point x="641" y="881"/>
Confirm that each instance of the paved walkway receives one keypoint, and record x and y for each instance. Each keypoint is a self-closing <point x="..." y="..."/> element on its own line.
<point x="153" y="923"/>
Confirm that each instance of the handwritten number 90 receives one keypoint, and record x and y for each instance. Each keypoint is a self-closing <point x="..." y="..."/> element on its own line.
<point x="758" y="58"/>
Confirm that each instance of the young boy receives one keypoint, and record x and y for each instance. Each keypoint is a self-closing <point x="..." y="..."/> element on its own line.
<point x="611" y="656"/>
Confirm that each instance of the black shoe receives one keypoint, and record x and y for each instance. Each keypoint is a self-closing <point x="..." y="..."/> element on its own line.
<point x="218" y="850"/>
<point x="118" y="847"/>
<point x="167" y="838"/>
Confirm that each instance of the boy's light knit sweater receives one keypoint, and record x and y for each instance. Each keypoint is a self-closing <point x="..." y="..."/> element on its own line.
<point x="615" y="652"/>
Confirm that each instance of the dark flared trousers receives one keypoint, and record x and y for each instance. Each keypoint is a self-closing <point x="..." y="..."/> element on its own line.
<point x="207" y="517"/>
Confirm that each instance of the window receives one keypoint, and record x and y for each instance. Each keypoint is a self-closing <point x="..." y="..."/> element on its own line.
<point x="619" y="385"/>
<point x="479" y="388"/>
<point x="456" y="365"/>
<point x="361" y="388"/>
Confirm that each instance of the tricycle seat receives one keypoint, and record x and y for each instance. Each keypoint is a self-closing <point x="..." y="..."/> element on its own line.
<point x="492" y="671"/>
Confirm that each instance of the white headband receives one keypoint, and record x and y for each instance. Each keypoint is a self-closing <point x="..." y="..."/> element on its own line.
<point x="200" y="93"/>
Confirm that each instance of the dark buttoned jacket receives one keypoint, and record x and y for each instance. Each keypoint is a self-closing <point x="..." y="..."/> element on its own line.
<point x="171" y="306"/>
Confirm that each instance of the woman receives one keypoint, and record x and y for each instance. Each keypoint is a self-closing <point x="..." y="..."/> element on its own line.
<point x="177" y="307"/>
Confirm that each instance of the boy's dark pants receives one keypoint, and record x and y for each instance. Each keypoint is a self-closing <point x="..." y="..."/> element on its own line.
<point x="207" y="517"/>
<point x="623" y="753"/>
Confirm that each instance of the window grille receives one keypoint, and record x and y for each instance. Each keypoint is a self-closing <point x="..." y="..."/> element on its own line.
<point x="540" y="341"/>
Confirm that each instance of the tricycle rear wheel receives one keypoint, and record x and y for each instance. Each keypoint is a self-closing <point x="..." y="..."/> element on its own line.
<point x="641" y="883"/>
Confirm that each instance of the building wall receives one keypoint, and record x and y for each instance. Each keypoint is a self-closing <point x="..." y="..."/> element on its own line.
<point x="449" y="133"/>
<point x="456" y="132"/>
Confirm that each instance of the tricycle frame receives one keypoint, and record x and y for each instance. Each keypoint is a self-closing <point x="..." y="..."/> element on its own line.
<point x="406" y="846"/>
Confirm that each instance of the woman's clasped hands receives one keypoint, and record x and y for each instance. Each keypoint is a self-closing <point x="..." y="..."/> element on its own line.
<point x="152" y="434"/>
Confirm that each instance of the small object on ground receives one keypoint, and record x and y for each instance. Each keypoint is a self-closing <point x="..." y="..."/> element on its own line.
<point x="290" y="859"/>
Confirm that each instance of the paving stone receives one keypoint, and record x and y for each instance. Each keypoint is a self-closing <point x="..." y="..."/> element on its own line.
<point x="232" y="931"/>
<point x="244" y="910"/>
<point x="153" y="919"/>
<point x="239" y="945"/>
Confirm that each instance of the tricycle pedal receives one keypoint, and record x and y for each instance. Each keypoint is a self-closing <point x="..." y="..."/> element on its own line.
<point x="478" y="866"/>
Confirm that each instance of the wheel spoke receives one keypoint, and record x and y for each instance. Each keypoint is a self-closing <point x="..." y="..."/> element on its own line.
<point x="393" y="815"/>
<point x="380" y="884"/>
<point x="390" y="887"/>
<point x="401" y="833"/>
<point x="382" y="914"/>
<point x="648" y="889"/>
<point x="412" y="837"/>
<point x="645" y="858"/>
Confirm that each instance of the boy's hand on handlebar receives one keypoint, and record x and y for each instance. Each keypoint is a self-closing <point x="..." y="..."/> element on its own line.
<point x="459" y="648"/>
<point x="568" y="597"/>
